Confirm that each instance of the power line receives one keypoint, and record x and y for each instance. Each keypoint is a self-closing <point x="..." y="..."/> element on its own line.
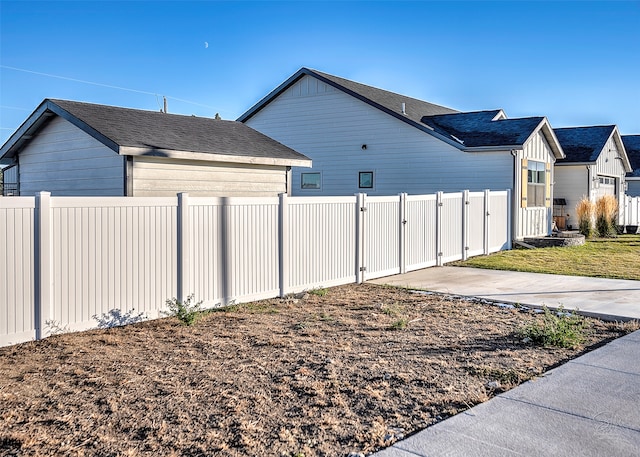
<point x="102" y="85"/>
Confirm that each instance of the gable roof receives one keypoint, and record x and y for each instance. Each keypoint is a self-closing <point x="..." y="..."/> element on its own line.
<point x="584" y="144"/>
<point x="151" y="133"/>
<point x="485" y="128"/>
<point x="388" y="102"/>
<point x="472" y="131"/>
<point x="632" y="147"/>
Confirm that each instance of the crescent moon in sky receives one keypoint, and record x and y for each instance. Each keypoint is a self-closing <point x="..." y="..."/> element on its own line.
<point x="206" y="44"/>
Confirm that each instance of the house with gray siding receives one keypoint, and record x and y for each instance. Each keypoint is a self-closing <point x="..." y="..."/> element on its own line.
<point x="596" y="163"/>
<point x="632" y="146"/>
<point x="81" y="149"/>
<point x="365" y="139"/>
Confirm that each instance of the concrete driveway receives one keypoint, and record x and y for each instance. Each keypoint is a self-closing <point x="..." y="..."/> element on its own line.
<point x="614" y="299"/>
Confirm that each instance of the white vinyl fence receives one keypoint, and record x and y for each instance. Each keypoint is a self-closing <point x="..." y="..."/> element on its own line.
<point x="71" y="263"/>
<point x="631" y="210"/>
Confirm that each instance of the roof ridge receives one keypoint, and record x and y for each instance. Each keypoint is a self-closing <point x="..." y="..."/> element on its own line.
<point x="409" y="97"/>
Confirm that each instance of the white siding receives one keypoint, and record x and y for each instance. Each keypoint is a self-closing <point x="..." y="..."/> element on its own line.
<point x="164" y="177"/>
<point x="609" y="164"/>
<point x="534" y="221"/>
<point x="571" y="183"/>
<point x="64" y="160"/>
<point x="330" y="127"/>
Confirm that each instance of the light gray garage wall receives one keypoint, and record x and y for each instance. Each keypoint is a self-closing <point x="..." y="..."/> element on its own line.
<point x="65" y="161"/>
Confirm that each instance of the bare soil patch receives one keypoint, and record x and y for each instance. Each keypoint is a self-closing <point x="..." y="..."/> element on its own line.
<point x="348" y="372"/>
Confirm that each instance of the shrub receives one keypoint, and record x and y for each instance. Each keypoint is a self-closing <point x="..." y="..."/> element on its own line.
<point x="606" y="214"/>
<point x="400" y="324"/>
<point x="559" y="329"/>
<point x="320" y="292"/>
<point x="187" y="312"/>
<point x="584" y="210"/>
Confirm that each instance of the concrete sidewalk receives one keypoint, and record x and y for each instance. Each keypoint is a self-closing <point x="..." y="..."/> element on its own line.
<point x="589" y="406"/>
<point x="615" y="299"/>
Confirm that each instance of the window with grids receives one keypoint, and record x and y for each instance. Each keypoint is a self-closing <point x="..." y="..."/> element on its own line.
<point x="536" y="185"/>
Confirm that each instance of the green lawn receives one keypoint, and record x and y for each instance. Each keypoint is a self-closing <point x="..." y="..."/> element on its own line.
<point x="617" y="258"/>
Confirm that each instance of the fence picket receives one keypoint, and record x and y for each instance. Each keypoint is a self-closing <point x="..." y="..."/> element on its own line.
<point x="136" y="252"/>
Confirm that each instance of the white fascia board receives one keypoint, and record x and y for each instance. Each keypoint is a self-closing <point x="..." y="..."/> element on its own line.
<point x="573" y="164"/>
<point x="23" y="132"/>
<point x="551" y="137"/>
<point x="188" y="155"/>
<point x="621" y="149"/>
<point x="500" y="116"/>
<point x="517" y="147"/>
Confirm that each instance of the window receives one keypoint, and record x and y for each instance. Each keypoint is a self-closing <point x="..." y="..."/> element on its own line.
<point x="310" y="181"/>
<point x="365" y="180"/>
<point x="536" y="183"/>
<point x="607" y="181"/>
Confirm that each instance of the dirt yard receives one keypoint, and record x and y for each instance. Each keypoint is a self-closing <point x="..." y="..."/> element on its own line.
<point x="348" y="372"/>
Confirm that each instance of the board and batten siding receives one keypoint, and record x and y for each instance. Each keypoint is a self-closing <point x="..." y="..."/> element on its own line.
<point x="331" y="127"/>
<point x="609" y="164"/>
<point x="166" y="177"/>
<point x="64" y="160"/>
<point x="534" y="221"/>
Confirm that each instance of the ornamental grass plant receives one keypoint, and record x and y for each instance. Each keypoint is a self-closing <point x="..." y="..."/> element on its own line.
<point x="585" y="210"/>
<point x="606" y="211"/>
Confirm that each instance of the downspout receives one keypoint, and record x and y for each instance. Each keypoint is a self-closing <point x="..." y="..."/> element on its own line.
<point x="128" y="176"/>
<point x="589" y="182"/>
<point x="515" y="214"/>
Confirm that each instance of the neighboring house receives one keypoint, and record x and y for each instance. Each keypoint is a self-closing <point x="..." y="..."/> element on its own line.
<point x="9" y="181"/>
<point x="632" y="146"/>
<point x="73" y="148"/>
<point x="364" y="139"/>
<point x="595" y="165"/>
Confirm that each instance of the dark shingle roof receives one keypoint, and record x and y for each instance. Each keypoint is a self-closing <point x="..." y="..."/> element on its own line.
<point x="583" y="144"/>
<point x="632" y="146"/>
<point x="151" y="132"/>
<point x="414" y="109"/>
<point x="479" y="129"/>
<point x="156" y="130"/>
<point x="463" y="130"/>
<point x="389" y="102"/>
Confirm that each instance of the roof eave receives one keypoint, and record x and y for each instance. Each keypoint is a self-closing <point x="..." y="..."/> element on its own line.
<point x="209" y="157"/>
<point x="501" y="148"/>
<point x="264" y="101"/>
<point x="622" y="150"/>
<point x="307" y="72"/>
<point x="566" y="163"/>
<point x="36" y="120"/>
<point x="550" y="136"/>
<point x="24" y="133"/>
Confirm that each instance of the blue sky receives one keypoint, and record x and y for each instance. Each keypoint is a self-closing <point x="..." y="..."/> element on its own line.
<point x="578" y="63"/>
